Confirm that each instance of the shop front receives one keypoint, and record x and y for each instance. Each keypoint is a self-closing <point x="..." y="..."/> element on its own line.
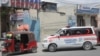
<point x="16" y="14"/>
<point x="87" y="16"/>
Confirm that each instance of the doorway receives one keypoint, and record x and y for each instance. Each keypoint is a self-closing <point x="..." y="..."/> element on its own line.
<point x="93" y="21"/>
<point x="80" y="20"/>
<point x="5" y="21"/>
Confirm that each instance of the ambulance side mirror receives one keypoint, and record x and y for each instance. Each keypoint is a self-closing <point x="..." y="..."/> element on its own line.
<point x="57" y="34"/>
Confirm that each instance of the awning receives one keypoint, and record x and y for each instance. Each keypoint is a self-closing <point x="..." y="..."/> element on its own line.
<point x="34" y="4"/>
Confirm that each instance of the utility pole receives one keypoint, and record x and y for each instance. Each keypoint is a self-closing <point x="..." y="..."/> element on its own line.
<point x="38" y="26"/>
<point x="0" y="22"/>
<point x="76" y="14"/>
<point x="38" y="21"/>
<point x="0" y="18"/>
<point x="37" y="14"/>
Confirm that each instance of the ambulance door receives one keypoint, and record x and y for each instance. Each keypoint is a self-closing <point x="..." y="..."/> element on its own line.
<point x="64" y="38"/>
<point x="70" y="39"/>
<point x="76" y="37"/>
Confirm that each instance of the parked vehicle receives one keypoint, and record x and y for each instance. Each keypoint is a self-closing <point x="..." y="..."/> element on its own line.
<point x="18" y="42"/>
<point x="71" y="37"/>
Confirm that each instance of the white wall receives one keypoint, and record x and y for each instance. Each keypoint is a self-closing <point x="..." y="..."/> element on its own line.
<point x="98" y="20"/>
<point x="52" y="21"/>
<point x="87" y="20"/>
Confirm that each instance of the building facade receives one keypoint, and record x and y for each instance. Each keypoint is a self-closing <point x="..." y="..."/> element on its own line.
<point x="50" y="22"/>
<point x="17" y="15"/>
<point x="87" y="16"/>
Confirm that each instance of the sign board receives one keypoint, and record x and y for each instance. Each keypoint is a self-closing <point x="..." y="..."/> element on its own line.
<point x="25" y="3"/>
<point x="20" y="15"/>
<point x="87" y="10"/>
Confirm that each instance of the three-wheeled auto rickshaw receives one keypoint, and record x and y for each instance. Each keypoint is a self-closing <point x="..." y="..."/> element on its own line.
<point x="18" y="42"/>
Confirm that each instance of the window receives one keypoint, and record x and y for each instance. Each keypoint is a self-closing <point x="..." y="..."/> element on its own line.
<point x="80" y="21"/>
<point x="68" y="33"/>
<point x="18" y="36"/>
<point x="81" y="31"/>
<point x="93" y="21"/>
<point x="49" y="7"/>
<point x="86" y="31"/>
<point x="62" y="33"/>
<point x="65" y="32"/>
<point x="31" y="37"/>
<point x="24" y="38"/>
<point x="58" y="32"/>
<point x="75" y="31"/>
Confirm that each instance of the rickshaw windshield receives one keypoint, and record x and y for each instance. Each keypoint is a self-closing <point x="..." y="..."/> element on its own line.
<point x="8" y="36"/>
<point x="17" y="36"/>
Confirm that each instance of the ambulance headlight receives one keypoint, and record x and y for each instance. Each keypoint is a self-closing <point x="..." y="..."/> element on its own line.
<point x="44" y="41"/>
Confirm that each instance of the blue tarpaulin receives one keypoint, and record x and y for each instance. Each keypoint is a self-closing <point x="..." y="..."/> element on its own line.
<point x="33" y="24"/>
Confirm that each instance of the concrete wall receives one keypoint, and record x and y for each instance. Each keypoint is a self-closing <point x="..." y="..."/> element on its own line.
<point x="98" y="20"/>
<point x="50" y="22"/>
<point x="87" y="20"/>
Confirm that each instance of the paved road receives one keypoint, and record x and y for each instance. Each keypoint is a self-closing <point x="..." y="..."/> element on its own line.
<point x="64" y="52"/>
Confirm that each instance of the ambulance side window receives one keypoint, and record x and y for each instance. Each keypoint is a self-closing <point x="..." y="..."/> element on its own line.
<point x="65" y="32"/>
<point x="68" y="32"/>
<point x="31" y="37"/>
<point x="76" y="32"/>
<point x="87" y="31"/>
<point x="81" y="31"/>
<point x="62" y="33"/>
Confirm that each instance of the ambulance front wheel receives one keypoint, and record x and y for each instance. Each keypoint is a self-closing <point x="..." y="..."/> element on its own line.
<point x="52" y="47"/>
<point x="87" y="46"/>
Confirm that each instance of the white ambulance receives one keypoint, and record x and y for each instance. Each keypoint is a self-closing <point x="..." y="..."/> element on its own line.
<point x="71" y="37"/>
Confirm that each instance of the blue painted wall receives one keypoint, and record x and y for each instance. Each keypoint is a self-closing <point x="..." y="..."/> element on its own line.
<point x="37" y="30"/>
<point x="33" y="24"/>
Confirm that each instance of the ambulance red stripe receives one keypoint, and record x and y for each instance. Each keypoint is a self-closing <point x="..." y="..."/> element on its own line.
<point x="73" y="36"/>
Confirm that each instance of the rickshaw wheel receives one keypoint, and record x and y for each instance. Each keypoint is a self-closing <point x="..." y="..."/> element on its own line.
<point x="34" y="50"/>
<point x="5" y="54"/>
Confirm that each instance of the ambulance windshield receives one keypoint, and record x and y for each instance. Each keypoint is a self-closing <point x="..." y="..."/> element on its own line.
<point x="59" y="31"/>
